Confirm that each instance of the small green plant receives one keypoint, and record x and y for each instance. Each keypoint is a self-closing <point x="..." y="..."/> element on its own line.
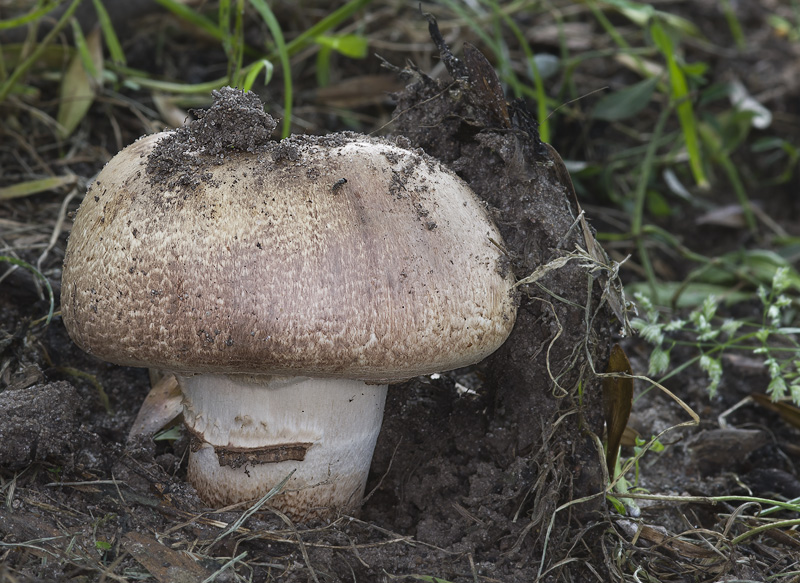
<point x="773" y="338"/>
<point x="349" y="45"/>
<point x="622" y="486"/>
<point x="642" y="446"/>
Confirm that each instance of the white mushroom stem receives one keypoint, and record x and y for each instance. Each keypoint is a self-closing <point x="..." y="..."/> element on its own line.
<point x="252" y="431"/>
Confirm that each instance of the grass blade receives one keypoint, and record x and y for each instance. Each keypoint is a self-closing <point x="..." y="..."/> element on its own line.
<point x="637" y="220"/>
<point x="35" y="186"/>
<point x="185" y="13"/>
<point x="328" y="23"/>
<point x="683" y="104"/>
<point x="23" y="67"/>
<point x="627" y="102"/>
<point x="254" y="70"/>
<point x="109" y="34"/>
<point x="277" y="35"/>
<point x="31" y="16"/>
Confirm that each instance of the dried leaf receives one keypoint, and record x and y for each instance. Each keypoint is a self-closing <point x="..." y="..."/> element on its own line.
<point x="612" y="292"/>
<point x="629" y="437"/>
<point x="172" y="115"/>
<point x="716" y="450"/>
<point x="356" y="92"/>
<point x="676" y="544"/>
<point x="486" y="85"/>
<point x="78" y="85"/>
<point x="162" y="405"/>
<point x="162" y="562"/>
<point x="731" y="215"/>
<point x="788" y="413"/>
<point x="617" y="402"/>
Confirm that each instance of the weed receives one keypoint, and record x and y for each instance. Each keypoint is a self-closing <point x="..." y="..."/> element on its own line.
<point x="771" y="339"/>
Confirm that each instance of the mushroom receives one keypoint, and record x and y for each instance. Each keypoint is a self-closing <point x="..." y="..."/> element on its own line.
<point x="286" y="284"/>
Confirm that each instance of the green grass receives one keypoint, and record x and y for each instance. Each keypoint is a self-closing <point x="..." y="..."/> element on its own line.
<point x="678" y="134"/>
<point x="245" y="63"/>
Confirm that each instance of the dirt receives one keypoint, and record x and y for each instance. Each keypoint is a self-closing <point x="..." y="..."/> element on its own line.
<point x="175" y="160"/>
<point x="474" y="470"/>
<point x="38" y="423"/>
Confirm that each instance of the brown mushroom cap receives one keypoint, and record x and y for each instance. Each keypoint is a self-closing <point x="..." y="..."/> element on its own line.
<point x="340" y="256"/>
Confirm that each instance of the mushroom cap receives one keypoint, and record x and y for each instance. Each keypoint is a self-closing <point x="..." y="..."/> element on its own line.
<point x="267" y="262"/>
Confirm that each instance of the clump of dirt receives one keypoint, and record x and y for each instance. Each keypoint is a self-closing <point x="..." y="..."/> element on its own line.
<point x="533" y="378"/>
<point x="38" y="423"/>
<point x="236" y="122"/>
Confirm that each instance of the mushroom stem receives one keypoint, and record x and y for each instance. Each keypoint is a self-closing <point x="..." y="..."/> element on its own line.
<point x="251" y="431"/>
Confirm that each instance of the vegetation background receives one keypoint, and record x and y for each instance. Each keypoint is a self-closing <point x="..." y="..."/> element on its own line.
<point x="680" y="125"/>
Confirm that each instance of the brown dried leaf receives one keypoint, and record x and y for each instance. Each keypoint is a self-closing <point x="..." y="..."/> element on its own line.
<point x="486" y="85"/>
<point x="715" y="450"/>
<point x="172" y="115"/>
<point x="629" y="437"/>
<point x="675" y="544"/>
<point x="162" y="405"/>
<point x="788" y="412"/>
<point x="617" y="402"/>
<point x="163" y="563"/>
<point x="78" y="87"/>
<point x="357" y="92"/>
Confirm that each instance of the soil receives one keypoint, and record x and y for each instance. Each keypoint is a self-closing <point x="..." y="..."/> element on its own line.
<point x="489" y="473"/>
